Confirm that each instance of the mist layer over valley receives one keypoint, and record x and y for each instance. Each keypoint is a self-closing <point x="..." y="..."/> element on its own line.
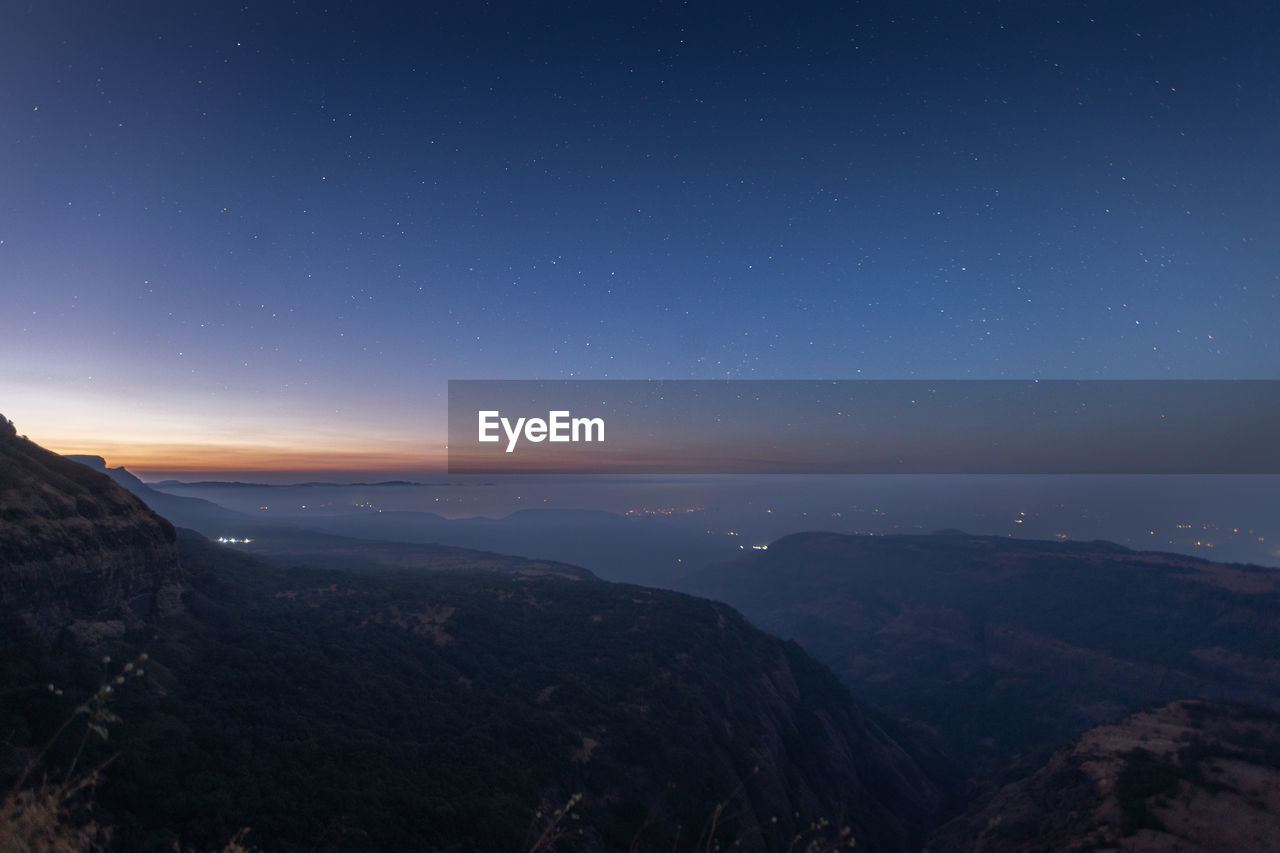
<point x="674" y="525"/>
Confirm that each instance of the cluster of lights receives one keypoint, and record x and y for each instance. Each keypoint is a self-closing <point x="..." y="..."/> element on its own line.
<point x="663" y="510"/>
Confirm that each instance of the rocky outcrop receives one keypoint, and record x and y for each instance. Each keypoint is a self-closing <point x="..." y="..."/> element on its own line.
<point x="1191" y="776"/>
<point x="80" y="557"/>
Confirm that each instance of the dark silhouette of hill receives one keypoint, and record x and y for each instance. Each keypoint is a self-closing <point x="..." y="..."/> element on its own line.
<point x="421" y="709"/>
<point x="993" y="646"/>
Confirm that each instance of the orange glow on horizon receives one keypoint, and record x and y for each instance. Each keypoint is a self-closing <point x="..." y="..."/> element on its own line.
<point x="227" y="435"/>
<point x="140" y="457"/>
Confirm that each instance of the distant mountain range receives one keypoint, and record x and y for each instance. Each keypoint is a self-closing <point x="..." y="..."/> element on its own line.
<point x="614" y="547"/>
<point x="302" y="544"/>
<point x="198" y="514"/>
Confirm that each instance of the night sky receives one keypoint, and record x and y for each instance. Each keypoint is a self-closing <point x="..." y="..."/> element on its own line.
<point x="266" y="235"/>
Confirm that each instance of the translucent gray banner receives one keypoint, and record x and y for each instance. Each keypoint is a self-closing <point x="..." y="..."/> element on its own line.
<point x="864" y="427"/>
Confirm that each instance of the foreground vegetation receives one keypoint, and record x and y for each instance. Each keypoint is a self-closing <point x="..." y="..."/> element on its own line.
<point x="342" y="711"/>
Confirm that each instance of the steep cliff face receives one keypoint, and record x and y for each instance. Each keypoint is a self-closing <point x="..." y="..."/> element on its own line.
<point x="78" y="554"/>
